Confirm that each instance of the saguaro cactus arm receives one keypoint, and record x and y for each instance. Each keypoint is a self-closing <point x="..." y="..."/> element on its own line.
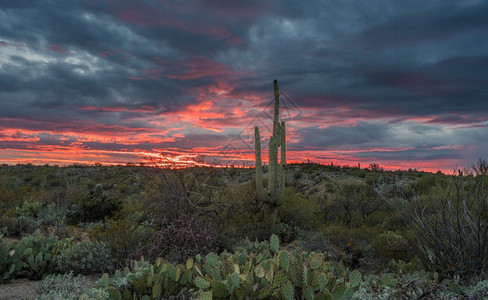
<point x="258" y="164"/>
<point x="283" y="143"/>
<point x="281" y="173"/>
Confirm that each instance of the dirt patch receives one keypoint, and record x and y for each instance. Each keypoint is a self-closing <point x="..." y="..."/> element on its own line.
<point x="9" y="241"/>
<point x="21" y="289"/>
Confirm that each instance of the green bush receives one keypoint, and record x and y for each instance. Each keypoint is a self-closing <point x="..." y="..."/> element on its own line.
<point x="353" y="204"/>
<point x="240" y="215"/>
<point x="297" y="211"/>
<point x="350" y="243"/>
<point x="288" y="233"/>
<point x="23" y="225"/>
<point x="390" y="245"/>
<point x="65" y="286"/>
<point x="123" y="238"/>
<point x="52" y="215"/>
<point x="98" y="206"/>
<point x="85" y="258"/>
<point x="32" y="215"/>
<point x="318" y="242"/>
<point x="9" y="222"/>
<point x="29" y="209"/>
<point x="181" y="239"/>
<point x="449" y="227"/>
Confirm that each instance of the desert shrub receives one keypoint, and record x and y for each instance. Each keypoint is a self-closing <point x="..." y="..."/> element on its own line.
<point x="240" y="215"/>
<point x="352" y="204"/>
<point x="318" y="242"/>
<point x="250" y="246"/>
<point x="32" y="215"/>
<point x="313" y="242"/>
<point x="123" y="239"/>
<point x="67" y="286"/>
<point x="424" y="183"/>
<point x="26" y="225"/>
<point x="390" y="245"/>
<point x="95" y="208"/>
<point x="8" y="221"/>
<point x="8" y="198"/>
<point x="57" y="182"/>
<point x="449" y="231"/>
<point x="402" y="267"/>
<point x="412" y="286"/>
<point x="137" y="210"/>
<point x="340" y="235"/>
<point x="52" y="215"/>
<point x="12" y="191"/>
<point x="288" y="233"/>
<point x="85" y="258"/>
<point x="172" y="193"/>
<point x="182" y="238"/>
<point x="29" y="209"/>
<point x="477" y="290"/>
<point x="297" y="211"/>
<point x="98" y="206"/>
<point x="350" y="242"/>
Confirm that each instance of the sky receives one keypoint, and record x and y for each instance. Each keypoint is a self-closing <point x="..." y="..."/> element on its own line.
<point x="403" y="84"/>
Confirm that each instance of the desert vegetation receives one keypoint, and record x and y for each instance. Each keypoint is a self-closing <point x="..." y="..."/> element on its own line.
<point x="340" y="232"/>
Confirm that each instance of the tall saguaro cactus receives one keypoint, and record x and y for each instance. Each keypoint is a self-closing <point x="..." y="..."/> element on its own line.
<point x="276" y="174"/>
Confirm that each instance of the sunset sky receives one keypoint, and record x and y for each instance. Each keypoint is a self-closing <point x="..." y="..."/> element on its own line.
<point x="400" y="83"/>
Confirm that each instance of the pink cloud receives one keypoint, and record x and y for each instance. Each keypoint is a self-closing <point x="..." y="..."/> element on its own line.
<point x="58" y="49"/>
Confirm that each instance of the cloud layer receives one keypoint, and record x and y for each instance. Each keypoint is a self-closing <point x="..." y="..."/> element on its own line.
<point x="395" y="83"/>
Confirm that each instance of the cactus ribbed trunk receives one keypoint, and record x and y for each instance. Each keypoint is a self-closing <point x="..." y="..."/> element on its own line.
<point x="276" y="171"/>
<point x="259" y="167"/>
<point x="273" y="148"/>
<point x="276" y="115"/>
<point x="272" y="170"/>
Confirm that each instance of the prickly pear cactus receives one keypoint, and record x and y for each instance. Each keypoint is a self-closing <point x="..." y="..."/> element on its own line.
<point x="157" y="291"/>
<point x="316" y="261"/>
<point x="284" y="260"/>
<point x="355" y="278"/>
<point x="219" y="289"/>
<point x="289" y="291"/>
<point x="201" y="283"/>
<point x="274" y="243"/>
<point x="205" y="296"/>
<point x="265" y="273"/>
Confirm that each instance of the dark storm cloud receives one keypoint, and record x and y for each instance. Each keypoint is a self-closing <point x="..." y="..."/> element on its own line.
<point x="426" y="26"/>
<point x="112" y="55"/>
<point x="315" y="48"/>
<point x="416" y="61"/>
<point x="335" y="137"/>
